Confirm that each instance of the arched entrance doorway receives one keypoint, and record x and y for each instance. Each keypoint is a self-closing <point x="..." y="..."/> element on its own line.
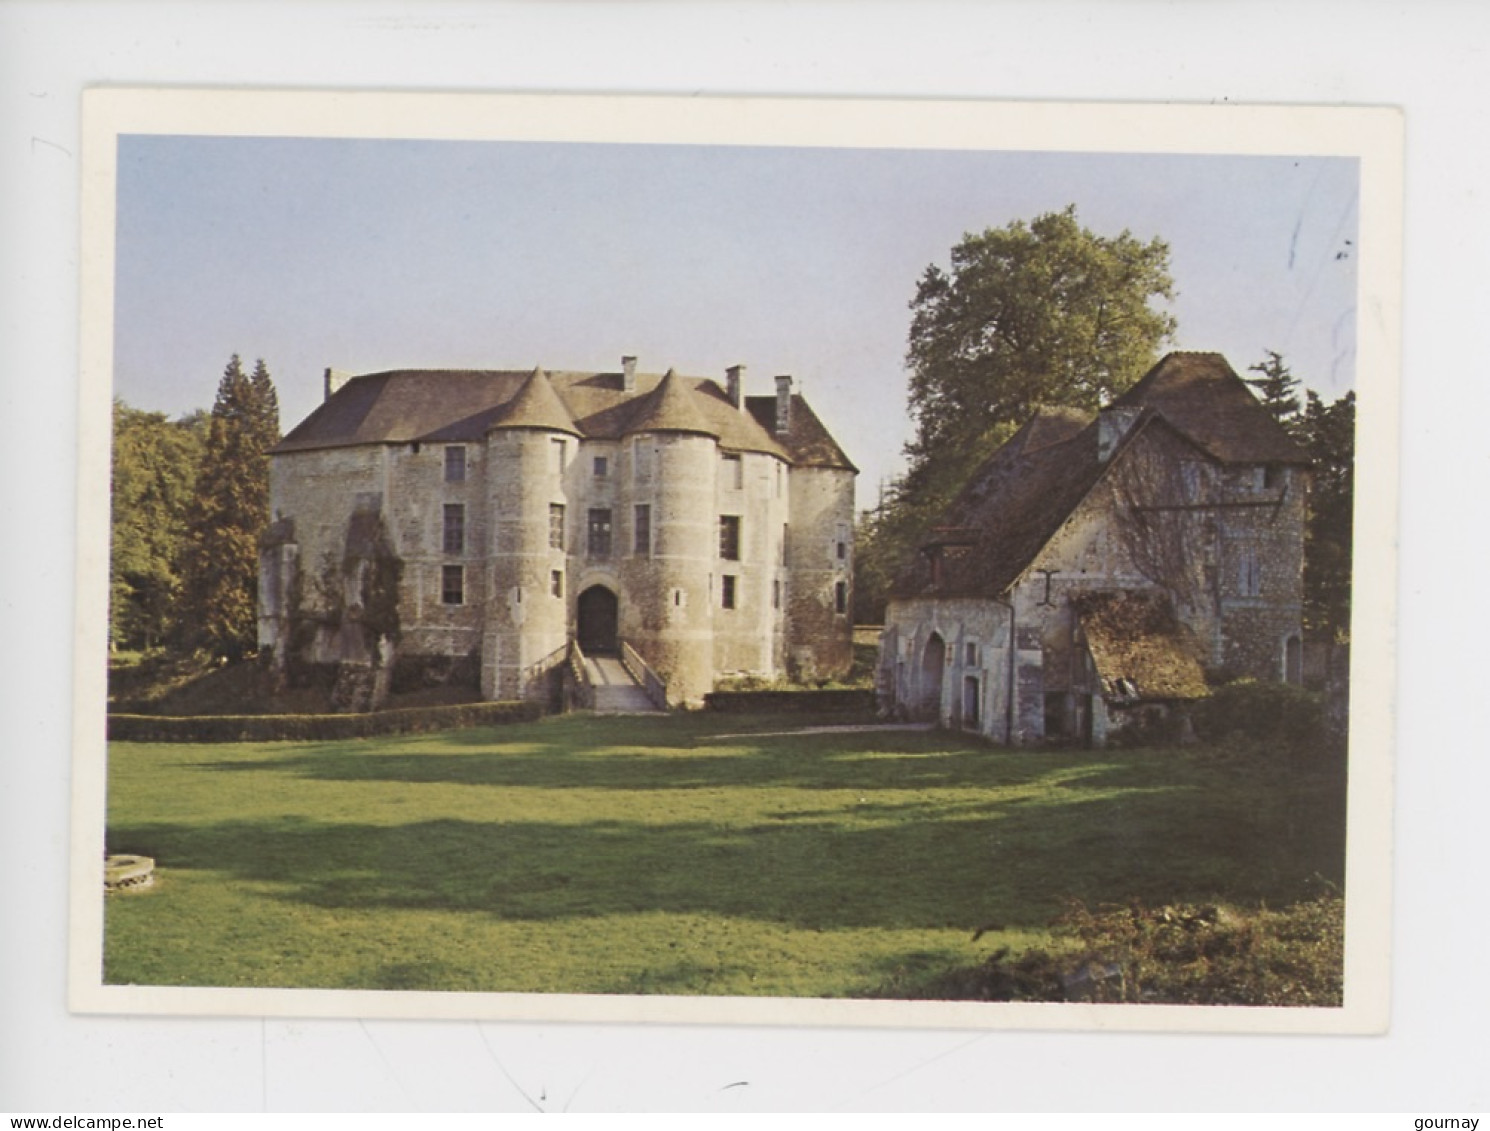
<point x="933" y="664"/>
<point x="598" y="618"/>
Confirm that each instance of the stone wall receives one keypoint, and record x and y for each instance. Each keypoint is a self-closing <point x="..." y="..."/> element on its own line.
<point x="820" y="549"/>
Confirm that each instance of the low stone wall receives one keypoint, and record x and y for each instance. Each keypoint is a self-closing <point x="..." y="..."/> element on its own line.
<point x="750" y="702"/>
<point x="299" y="728"/>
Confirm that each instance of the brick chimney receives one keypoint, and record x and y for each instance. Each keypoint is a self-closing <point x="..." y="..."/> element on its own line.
<point x="783" y="404"/>
<point x="628" y="374"/>
<point x="335" y="379"/>
<point x="734" y="381"/>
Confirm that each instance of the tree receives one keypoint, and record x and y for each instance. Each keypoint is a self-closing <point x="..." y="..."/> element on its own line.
<point x="228" y="514"/>
<point x="154" y="475"/>
<point x="1031" y="314"/>
<point x="1328" y="435"/>
<point x="1278" y="388"/>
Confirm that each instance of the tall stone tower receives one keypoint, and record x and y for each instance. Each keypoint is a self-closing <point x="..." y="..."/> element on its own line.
<point x="531" y="450"/>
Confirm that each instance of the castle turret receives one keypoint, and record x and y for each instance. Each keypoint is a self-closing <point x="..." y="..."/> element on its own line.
<point x="669" y="566"/>
<point x="531" y="446"/>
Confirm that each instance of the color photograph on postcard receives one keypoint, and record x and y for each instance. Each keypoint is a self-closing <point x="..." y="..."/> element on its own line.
<point x="899" y="564"/>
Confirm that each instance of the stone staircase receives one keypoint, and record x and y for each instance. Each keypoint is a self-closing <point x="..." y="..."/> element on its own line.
<point x="616" y="693"/>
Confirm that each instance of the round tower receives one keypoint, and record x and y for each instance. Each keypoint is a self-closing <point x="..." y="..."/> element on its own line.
<point x="531" y="447"/>
<point x="670" y="580"/>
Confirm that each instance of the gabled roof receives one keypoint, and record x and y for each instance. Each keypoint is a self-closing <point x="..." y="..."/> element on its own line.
<point x="1140" y="650"/>
<point x="1202" y="396"/>
<point x="1009" y="509"/>
<point x="460" y="406"/>
<point x="1018" y="499"/>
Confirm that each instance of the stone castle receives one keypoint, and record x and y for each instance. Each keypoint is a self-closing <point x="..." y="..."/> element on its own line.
<point x="1100" y="570"/>
<point x="475" y="526"/>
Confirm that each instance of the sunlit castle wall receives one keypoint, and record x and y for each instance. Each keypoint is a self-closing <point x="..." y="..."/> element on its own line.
<point x="666" y="608"/>
<point x="527" y="472"/>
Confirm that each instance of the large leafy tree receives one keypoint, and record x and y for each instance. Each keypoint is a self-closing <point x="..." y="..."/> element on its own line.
<point x="228" y="514"/>
<point x="1039" y="313"/>
<point x="154" y="476"/>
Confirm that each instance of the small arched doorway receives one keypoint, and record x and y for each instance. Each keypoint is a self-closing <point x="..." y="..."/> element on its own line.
<point x="598" y="620"/>
<point x="933" y="663"/>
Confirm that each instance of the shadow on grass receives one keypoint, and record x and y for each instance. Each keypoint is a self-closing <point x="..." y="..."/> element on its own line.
<point x="618" y="761"/>
<point x="918" y="864"/>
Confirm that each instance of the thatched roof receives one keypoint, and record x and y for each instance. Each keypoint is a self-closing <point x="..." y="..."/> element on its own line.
<point x="1140" y="650"/>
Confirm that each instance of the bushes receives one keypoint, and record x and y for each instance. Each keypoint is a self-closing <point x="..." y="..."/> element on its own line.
<point x="749" y="702"/>
<point x="1177" y="955"/>
<point x="1272" y="713"/>
<point x="281" y="728"/>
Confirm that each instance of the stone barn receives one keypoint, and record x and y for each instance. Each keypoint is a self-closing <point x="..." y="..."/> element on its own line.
<point x="1099" y="569"/>
<point x="473" y="525"/>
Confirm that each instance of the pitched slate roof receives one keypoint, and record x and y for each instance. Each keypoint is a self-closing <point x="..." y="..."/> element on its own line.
<point x="1020" y="497"/>
<point x="536" y="405"/>
<point x="460" y="406"/>
<point x="1009" y="509"/>
<point x="669" y="407"/>
<point x="808" y="441"/>
<point x="1139" y="647"/>
<point x="1202" y="396"/>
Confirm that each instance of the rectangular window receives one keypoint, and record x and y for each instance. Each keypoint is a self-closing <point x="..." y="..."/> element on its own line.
<point x="642" y="545"/>
<point x="453" y="585"/>
<point x="729" y="537"/>
<point x="559" y="449"/>
<point x="779" y="476"/>
<point x="556" y="583"/>
<point x="840" y="597"/>
<point x="842" y="551"/>
<point x="455" y="528"/>
<point x="785" y="530"/>
<point x="776" y="594"/>
<point x="598" y="532"/>
<point x="556" y="525"/>
<point x="455" y="464"/>
<point x="1249" y="572"/>
<point x="602" y="467"/>
<point x="641" y="460"/>
<point x="733" y="471"/>
<point x="972" y="655"/>
<point x="727" y="591"/>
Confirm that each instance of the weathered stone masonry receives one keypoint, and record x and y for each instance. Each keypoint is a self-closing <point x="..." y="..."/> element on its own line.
<point x="1098" y="570"/>
<point x="710" y="531"/>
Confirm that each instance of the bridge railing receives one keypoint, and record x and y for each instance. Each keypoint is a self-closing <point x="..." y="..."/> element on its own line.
<point x="641" y="671"/>
<point x="584" y="691"/>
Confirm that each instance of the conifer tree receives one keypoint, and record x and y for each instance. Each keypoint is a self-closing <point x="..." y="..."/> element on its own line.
<point x="1277" y="388"/>
<point x="228" y="515"/>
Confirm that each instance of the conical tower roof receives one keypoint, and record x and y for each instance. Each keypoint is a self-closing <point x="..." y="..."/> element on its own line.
<point x="670" y="408"/>
<point x="536" y="405"/>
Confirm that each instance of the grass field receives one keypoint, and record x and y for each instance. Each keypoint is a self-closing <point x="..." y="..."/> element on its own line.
<point x="630" y="856"/>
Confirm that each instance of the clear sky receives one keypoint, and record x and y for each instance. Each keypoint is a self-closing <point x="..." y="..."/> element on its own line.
<point x="368" y="255"/>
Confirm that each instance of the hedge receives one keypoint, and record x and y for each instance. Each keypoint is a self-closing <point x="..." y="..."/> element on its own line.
<point x="278" y="728"/>
<point x="811" y="699"/>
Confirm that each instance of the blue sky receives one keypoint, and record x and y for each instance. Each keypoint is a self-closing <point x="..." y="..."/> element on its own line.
<point x="371" y="254"/>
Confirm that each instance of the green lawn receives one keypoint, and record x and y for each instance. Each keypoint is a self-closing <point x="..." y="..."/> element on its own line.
<point x="627" y="856"/>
